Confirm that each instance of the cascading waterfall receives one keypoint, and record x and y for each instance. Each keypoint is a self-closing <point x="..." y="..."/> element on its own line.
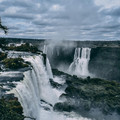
<point x="35" y="87"/>
<point x="79" y="66"/>
<point x="36" y="95"/>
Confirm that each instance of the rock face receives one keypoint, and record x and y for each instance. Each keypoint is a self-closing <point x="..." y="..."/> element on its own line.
<point x="105" y="62"/>
<point x="83" y="95"/>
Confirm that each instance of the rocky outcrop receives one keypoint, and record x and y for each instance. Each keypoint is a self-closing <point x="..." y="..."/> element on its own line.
<point x="82" y="95"/>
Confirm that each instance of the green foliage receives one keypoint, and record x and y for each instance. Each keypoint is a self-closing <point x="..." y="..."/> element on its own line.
<point x="10" y="109"/>
<point x="2" y="56"/>
<point x="14" y="63"/>
<point x="44" y="58"/>
<point x="91" y="93"/>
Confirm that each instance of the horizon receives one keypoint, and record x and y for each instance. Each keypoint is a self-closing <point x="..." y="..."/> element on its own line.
<point x="45" y="39"/>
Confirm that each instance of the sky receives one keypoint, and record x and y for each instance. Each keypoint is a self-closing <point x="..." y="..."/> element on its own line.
<point x="61" y="19"/>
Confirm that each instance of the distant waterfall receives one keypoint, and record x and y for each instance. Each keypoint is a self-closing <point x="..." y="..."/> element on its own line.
<point x="49" y="70"/>
<point x="45" y="49"/>
<point x="79" y="66"/>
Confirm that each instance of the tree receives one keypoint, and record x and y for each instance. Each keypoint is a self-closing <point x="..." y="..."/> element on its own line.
<point x="4" y="28"/>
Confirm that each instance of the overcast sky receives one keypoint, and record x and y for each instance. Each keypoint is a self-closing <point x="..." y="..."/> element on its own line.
<point x="62" y="19"/>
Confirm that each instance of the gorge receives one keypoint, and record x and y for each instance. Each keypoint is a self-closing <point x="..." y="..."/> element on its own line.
<point x="58" y="82"/>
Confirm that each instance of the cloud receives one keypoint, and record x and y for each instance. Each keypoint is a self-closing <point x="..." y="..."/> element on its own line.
<point x="113" y="12"/>
<point x="56" y="7"/>
<point x="106" y="4"/>
<point x="62" y="19"/>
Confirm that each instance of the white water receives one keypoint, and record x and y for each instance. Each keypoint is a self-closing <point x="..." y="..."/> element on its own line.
<point x="79" y="66"/>
<point x="48" y="67"/>
<point x="45" y="49"/>
<point x="16" y="54"/>
<point x="36" y="87"/>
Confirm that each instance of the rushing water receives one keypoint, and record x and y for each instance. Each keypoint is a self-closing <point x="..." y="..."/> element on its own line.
<point x="79" y="66"/>
<point x="36" y="95"/>
<point x="45" y="49"/>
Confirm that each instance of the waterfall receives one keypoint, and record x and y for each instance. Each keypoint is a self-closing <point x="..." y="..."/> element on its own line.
<point x="36" y="95"/>
<point x="35" y="87"/>
<point x="48" y="67"/>
<point x="79" y="66"/>
<point x="49" y="70"/>
<point x="45" y="49"/>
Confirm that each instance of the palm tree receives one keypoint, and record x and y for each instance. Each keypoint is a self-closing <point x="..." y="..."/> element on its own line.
<point x="4" y="28"/>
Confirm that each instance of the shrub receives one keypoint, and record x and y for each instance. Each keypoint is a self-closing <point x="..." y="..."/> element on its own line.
<point x="2" y="56"/>
<point x="14" y="63"/>
<point x="10" y="110"/>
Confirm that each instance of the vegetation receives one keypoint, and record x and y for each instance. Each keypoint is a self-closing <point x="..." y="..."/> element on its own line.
<point x="10" y="109"/>
<point x="4" y="28"/>
<point x="14" y="63"/>
<point x="2" y="56"/>
<point x="3" y="43"/>
<point x="90" y="93"/>
<point x="24" y="47"/>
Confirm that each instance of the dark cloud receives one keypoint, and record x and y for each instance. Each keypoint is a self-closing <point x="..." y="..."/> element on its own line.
<point x="19" y="16"/>
<point x="113" y="12"/>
